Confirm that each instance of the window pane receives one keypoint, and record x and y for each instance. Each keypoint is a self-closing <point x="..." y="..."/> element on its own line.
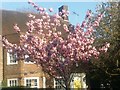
<point x="15" y="82"/>
<point x="10" y="82"/>
<point x="30" y="82"/>
<point x="35" y="82"/>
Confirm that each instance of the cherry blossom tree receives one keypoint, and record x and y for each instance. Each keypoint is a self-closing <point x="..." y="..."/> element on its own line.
<point x="56" y="51"/>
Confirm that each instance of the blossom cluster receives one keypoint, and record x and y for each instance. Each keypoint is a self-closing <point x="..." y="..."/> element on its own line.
<point x="48" y="46"/>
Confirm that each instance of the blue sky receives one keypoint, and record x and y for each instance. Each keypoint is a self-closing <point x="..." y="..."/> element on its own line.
<point x="78" y="7"/>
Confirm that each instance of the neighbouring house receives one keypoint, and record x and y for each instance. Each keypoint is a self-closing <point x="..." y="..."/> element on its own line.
<point x="24" y="72"/>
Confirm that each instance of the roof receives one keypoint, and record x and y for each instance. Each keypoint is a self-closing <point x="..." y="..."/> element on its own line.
<point x="9" y="18"/>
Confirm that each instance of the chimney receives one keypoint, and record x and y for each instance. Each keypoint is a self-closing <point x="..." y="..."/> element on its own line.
<point x="63" y="7"/>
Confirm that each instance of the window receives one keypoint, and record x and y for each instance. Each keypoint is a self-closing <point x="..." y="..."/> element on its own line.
<point x="27" y="60"/>
<point x="57" y="84"/>
<point x="12" y="82"/>
<point x="32" y="82"/>
<point x="11" y="58"/>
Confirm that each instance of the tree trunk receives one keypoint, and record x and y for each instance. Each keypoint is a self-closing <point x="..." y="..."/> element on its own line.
<point x="67" y="86"/>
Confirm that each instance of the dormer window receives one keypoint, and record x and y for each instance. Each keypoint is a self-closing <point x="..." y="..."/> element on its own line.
<point x="28" y="60"/>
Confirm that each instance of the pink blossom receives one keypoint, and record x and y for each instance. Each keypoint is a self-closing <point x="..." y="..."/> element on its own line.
<point x="60" y="13"/>
<point x="44" y="9"/>
<point x="59" y="33"/>
<point x="56" y="16"/>
<point x="105" y="49"/>
<point x="108" y="45"/>
<point x="16" y="28"/>
<point x="88" y="14"/>
<point x="31" y="16"/>
<point x="51" y="9"/>
<point x="83" y="24"/>
<point x="65" y="28"/>
<point x="63" y="11"/>
<point x="96" y="23"/>
<point x="41" y="9"/>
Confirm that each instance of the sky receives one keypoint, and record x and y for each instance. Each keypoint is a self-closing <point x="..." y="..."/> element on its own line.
<point x="79" y="7"/>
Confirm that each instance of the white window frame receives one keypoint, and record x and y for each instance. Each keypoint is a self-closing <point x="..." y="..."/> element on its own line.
<point x="25" y="62"/>
<point x="9" y="59"/>
<point x="30" y="78"/>
<point x="13" y="79"/>
<point x="44" y="82"/>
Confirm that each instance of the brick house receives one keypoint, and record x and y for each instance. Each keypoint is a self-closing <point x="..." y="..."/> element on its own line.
<point x="22" y="72"/>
